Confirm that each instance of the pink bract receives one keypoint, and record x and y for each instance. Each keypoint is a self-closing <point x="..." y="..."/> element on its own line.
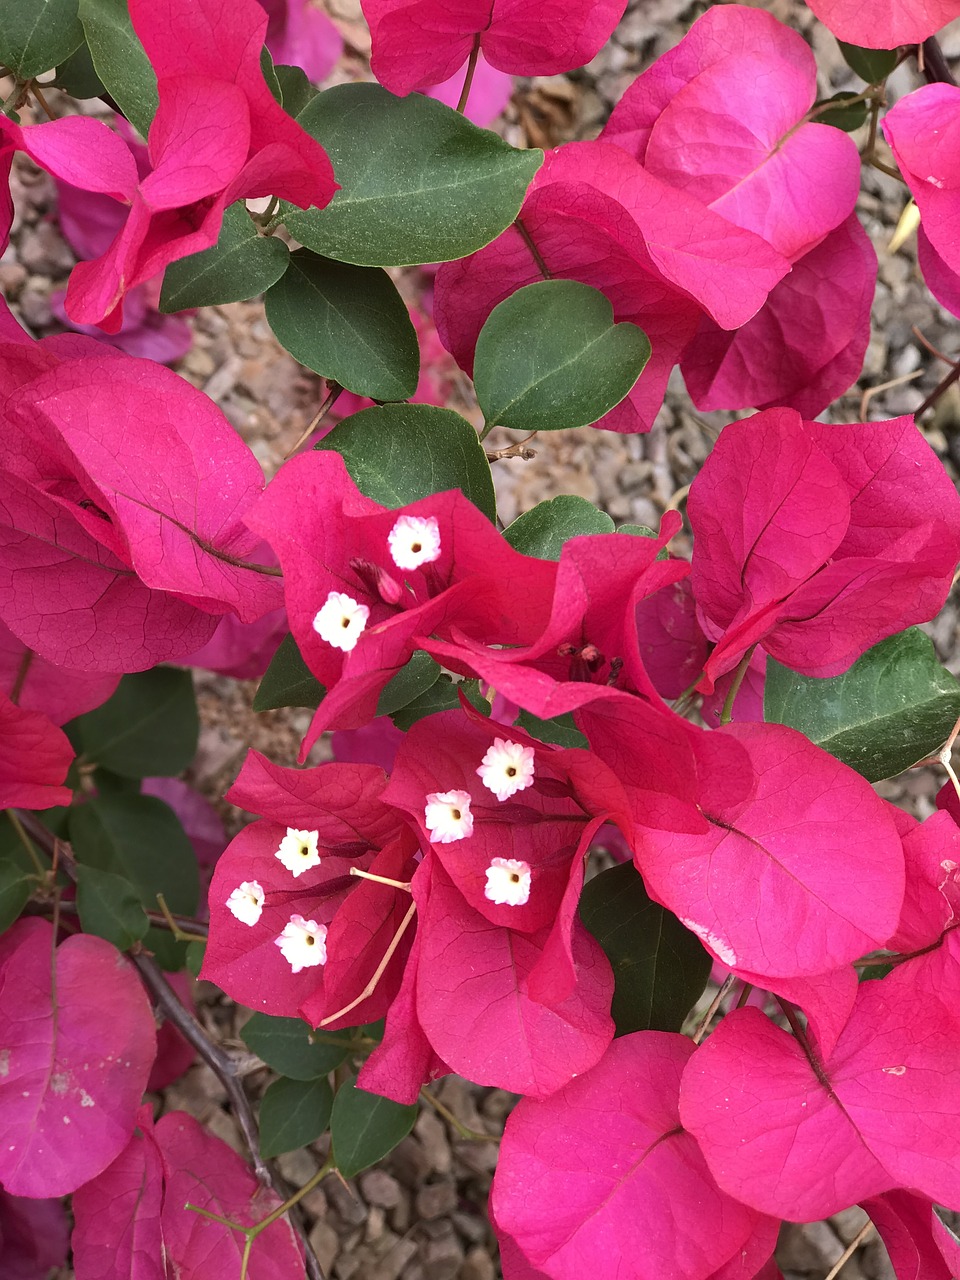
<point x="602" y="1172"/>
<point x="885" y="24"/>
<point x="34" y="759"/>
<point x="76" y="1065"/>
<point x="34" y="1236"/>
<point x="218" y="136"/>
<point x="301" y="35"/>
<point x="418" y="43"/>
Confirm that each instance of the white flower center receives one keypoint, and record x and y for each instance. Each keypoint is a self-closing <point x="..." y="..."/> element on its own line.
<point x="303" y="943"/>
<point x="341" y="620"/>
<point x="246" y="902"/>
<point x="447" y="816"/>
<point x="507" y="768"/>
<point x="414" y="540"/>
<point x="298" y="850"/>
<point x="508" y="882"/>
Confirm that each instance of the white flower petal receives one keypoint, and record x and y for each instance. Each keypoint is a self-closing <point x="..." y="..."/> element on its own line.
<point x="508" y="882"/>
<point x="246" y="902"/>
<point x="414" y="540"/>
<point x="298" y="850"/>
<point x="447" y="816"/>
<point x="341" y="621"/>
<point x="507" y="767"/>
<point x="303" y="943"/>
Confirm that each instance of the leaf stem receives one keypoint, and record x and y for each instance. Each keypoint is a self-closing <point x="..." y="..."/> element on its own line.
<point x="850" y="1250"/>
<point x="28" y="844"/>
<point x="181" y="935"/>
<point x="528" y="241"/>
<point x="393" y="884"/>
<point x="468" y="78"/>
<point x="333" y="391"/>
<point x="726" y="715"/>
<point x="715" y="1003"/>
<point x="470" y="1135"/>
<point x="379" y="971"/>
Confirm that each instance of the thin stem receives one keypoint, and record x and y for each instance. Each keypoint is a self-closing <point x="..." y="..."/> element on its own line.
<point x="850" y="1250"/>
<point x="295" y="1199"/>
<point x="215" y="1217"/>
<point x="15" y="99"/>
<point x="726" y="715"/>
<point x="715" y="1003"/>
<point x="468" y="78"/>
<point x="379" y="971"/>
<point x="935" y="67"/>
<point x="20" y="678"/>
<point x="528" y="241"/>
<point x="35" y="90"/>
<point x="471" y="1135"/>
<point x="28" y="844"/>
<point x="393" y="884"/>
<point x="181" y="935"/>
<point x="943" y="385"/>
<point x="334" y="390"/>
<point x="886" y="168"/>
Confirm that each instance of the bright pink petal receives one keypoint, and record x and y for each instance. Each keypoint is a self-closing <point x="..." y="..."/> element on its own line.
<point x="34" y="759"/>
<point x="56" y="692"/>
<point x="489" y="93"/>
<point x="78" y="150"/>
<point x="76" y="1065"/>
<point x="905" y="1224"/>
<point x="301" y="35"/>
<point x="602" y="1172"/>
<point x="923" y="130"/>
<point x="886" y="24"/>
<point x="198" y="141"/>
<point x="34" y="1236"/>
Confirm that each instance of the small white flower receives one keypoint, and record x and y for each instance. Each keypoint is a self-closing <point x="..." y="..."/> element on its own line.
<point x="341" y="621"/>
<point x="298" y="850"/>
<point x="414" y="541"/>
<point x="303" y="943"/>
<point x="507" y="768"/>
<point x="508" y="882"/>
<point x="448" y="817"/>
<point x="246" y="902"/>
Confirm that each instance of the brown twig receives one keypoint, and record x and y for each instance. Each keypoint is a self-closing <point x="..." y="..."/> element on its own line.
<point x="934" y="64"/>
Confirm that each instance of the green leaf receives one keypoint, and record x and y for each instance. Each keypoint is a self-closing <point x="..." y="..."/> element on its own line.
<point x="120" y="60"/>
<point x="148" y="727"/>
<point x="872" y="65"/>
<point x="411" y="682"/>
<point x="842" y="112"/>
<point x="419" y="182"/>
<point x="287" y="1045"/>
<point x="270" y="74"/>
<point x="659" y="967"/>
<point x="561" y="730"/>
<point x="109" y="907"/>
<point x="443" y="695"/>
<point x="550" y="356"/>
<point x="295" y="89"/>
<point x="543" y="530"/>
<point x="239" y="266"/>
<point x="346" y="323"/>
<point x="78" y="77"/>
<point x="895" y="706"/>
<point x="35" y="35"/>
<point x="194" y="956"/>
<point x="293" y="1113"/>
<point x="141" y="839"/>
<point x="288" y="681"/>
<point x="16" y="885"/>
<point x="365" y="1127"/>
<point x="401" y="452"/>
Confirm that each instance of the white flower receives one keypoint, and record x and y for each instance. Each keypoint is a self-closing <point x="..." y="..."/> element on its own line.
<point x="246" y="902"/>
<point x="303" y="943"/>
<point x="506" y="768"/>
<point x="341" y="621"/>
<point x="508" y="882"/>
<point x="414" y="541"/>
<point x="448" y="817"/>
<point x="298" y="850"/>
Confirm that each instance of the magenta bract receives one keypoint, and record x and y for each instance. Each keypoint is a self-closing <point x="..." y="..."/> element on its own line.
<point x="885" y="24"/>
<point x="418" y="43"/>
<point x="34" y="759"/>
<point x="75" y="1065"/>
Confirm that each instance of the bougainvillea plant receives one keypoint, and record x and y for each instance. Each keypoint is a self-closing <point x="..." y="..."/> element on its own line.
<point x="575" y="773"/>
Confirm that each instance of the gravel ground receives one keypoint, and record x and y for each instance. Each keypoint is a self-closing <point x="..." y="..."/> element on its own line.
<point x="421" y="1215"/>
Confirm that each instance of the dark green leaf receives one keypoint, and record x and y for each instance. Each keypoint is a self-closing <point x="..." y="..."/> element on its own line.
<point x="293" y="1114"/>
<point x="169" y="954"/>
<point x="543" y="530"/>
<point x="411" y="682"/>
<point x="194" y="957"/>
<point x="296" y="90"/>
<point x="895" y="706"/>
<point x="37" y="34"/>
<point x="270" y="74"/>
<point x="643" y="531"/>
<point x="419" y="182"/>
<point x="105" y="783"/>
<point x="288" y="1046"/>
<point x="872" y="65"/>
<point x="148" y="728"/>
<point x="402" y="452"/>
<point x="365" y="1127"/>
<point x="842" y="112"/>
<point x="441" y="696"/>
<point x="78" y="76"/>
<point x="141" y="839"/>
<point x="120" y="60"/>
<point x="659" y="967"/>
<point x="550" y="356"/>
<point x="239" y="266"/>
<point x="109" y="907"/>
<point x="346" y="323"/>
<point x="561" y="731"/>
<point x="16" y="885"/>
<point x="288" y="681"/>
